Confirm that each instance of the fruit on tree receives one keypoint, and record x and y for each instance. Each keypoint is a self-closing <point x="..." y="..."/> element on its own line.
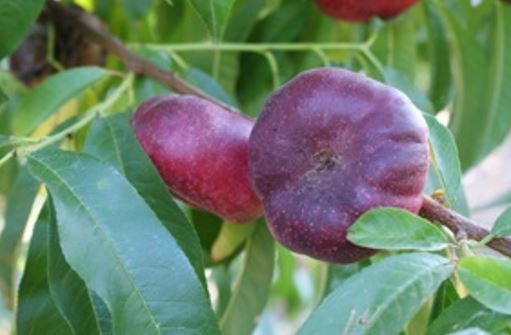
<point x="363" y="10"/>
<point x="201" y="151"/>
<point x="330" y="145"/>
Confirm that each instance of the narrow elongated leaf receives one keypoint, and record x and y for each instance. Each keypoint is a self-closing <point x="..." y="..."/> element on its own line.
<point x="136" y="9"/>
<point x="113" y="240"/>
<point x="445" y="170"/>
<point x="503" y="225"/>
<point x="363" y="305"/>
<point x="487" y="281"/>
<point x="102" y="314"/>
<point x="396" y="229"/>
<point x="68" y="290"/>
<point x="45" y="99"/>
<point x="19" y="205"/>
<point x="214" y="13"/>
<point x="468" y="313"/>
<point x="112" y="140"/>
<point x="37" y="313"/>
<point x="3" y="97"/>
<point x="482" y="103"/>
<point x="253" y="286"/>
<point x="338" y="273"/>
<point x="15" y="20"/>
<point x="440" y="90"/>
<point x="402" y="48"/>
<point x="230" y="238"/>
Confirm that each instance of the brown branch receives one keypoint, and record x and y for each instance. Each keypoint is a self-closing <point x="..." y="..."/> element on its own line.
<point x="461" y="226"/>
<point x="98" y="32"/>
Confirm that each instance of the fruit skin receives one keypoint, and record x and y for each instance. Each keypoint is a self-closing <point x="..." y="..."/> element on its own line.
<point x="201" y="151"/>
<point x="329" y="146"/>
<point x="363" y="10"/>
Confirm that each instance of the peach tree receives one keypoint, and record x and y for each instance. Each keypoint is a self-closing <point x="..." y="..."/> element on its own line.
<point x="252" y="166"/>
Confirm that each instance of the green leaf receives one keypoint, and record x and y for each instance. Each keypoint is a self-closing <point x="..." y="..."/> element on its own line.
<point x="253" y="286"/>
<point x="136" y="9"/>
<point x="3" y="96"/>
<point x="19" y="205"/>
<point x="230" y="238"/>
<point x="102" y="314"/>
<point x="445" y="296"/>
<point x="468" y="313"/>
<point x="68" y="290"/>
<point x="338" y="273"/>
<point x="142" y="275"/>
<point x="37" y="313"/>
<point x="440" y="89"/>
<point x="113" y="141"/>
<point x="400" y="81"/>
<point x="503" y="225"/>
<point x="396" y="229"/>
<point x="363" y="305"/>
<point x="16" y="17"/>
<point x="445" y="172"/>
<point x="215" y="13"/>
<point x="482" y="81"/>
<point x="402" y="46"/>
<point x="45" y="99"/>
<point x="207" y="84"/>
<point x="487" y="281"/>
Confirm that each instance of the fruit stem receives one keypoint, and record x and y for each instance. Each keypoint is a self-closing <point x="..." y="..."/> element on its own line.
<point x="99" y="33"/>
<point x="462" y="226"/>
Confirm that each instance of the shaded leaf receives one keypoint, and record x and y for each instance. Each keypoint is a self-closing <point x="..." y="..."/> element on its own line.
<point x="37" y="313"/>
<point x="253" y="286"/>
<point x="136" y="9"/>
<point x="19" y="205"/>
<point x="502" y="226"/>
<point x="207" y="84"/>
<point x="16" y="17"/>
<point x="230" y="238"/>
<point x="3" y="96"/>
<point x="338" y="273"/>
<point x="468" y="313"/>
<point x="215" y="14"/>
<point x="482" y="82"/>
<point x="131" y="261"/>
<point x="396" y="229"/>
<point x="363" y="305"/>
<point x="487" y="281"/>
<point x="113" y="141"/>
<point x="68" y="291"/>
<point x="45" y="99"/>
<point x="440" y="89"/>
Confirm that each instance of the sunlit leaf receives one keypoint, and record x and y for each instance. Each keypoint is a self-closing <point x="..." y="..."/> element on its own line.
<point x="46" y="98"/>
<point x="487" y="281"/>
<point x="502" y="226"/>
<point x="129" y="259"/>
<point x="377" y="300"/>
<point x="396" y="229"/>
<point x="253" y="285"/>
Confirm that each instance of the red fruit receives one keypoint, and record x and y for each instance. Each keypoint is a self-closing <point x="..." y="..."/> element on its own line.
<point x="329" y="146"/>
<point x="200" y="150"/>
<point x="363" y="10"/>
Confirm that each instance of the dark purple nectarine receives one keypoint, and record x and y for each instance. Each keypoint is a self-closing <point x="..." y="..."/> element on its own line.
<point x="363" y="10"/>
<point x="200" y="149"/>
<point x="329" y="146"/>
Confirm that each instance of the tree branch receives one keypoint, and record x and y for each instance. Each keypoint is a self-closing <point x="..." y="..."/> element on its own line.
<point x="98" y="32"/>
<point x="461" y="226"/>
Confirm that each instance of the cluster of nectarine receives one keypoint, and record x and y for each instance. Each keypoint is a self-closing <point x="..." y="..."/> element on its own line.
<point x="328" y="146"/>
